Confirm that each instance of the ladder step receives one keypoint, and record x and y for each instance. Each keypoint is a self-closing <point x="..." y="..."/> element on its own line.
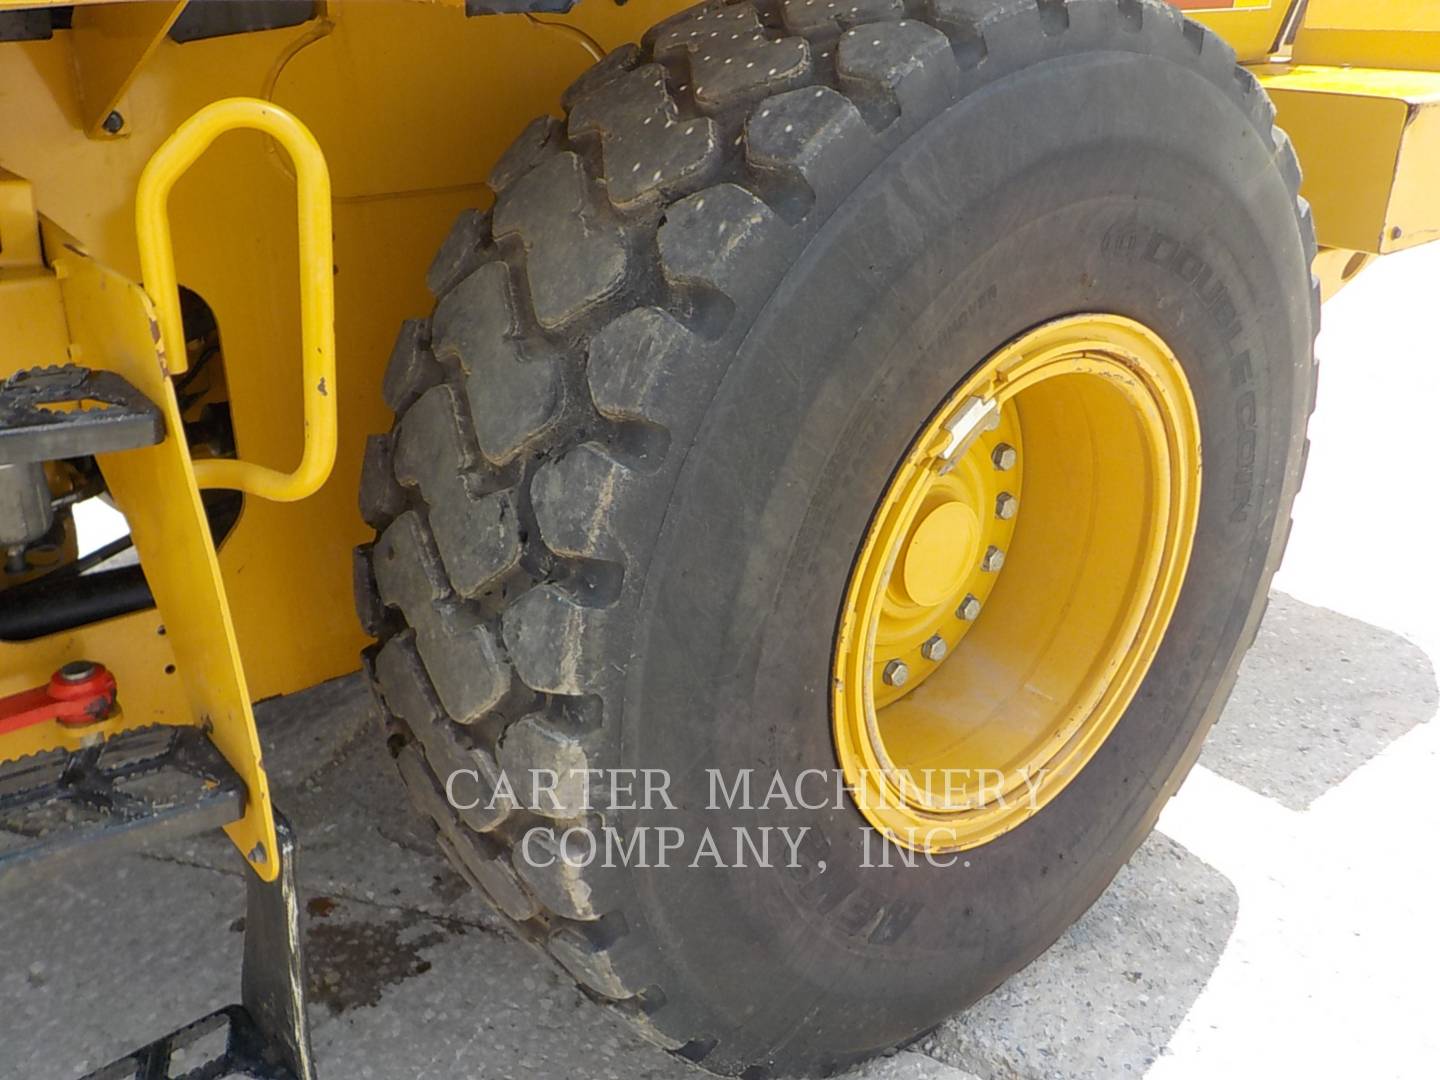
<point x="136" y="789"/>
<point x="224" y="1044"/>
<point x="71" y="411"/>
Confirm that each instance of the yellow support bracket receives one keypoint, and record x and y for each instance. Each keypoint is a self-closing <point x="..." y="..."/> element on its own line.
<point x="317" y="284"/>
<point x="111" y="42"/>
<point x="1369" y="145"/>
<point x="112" y="325"/>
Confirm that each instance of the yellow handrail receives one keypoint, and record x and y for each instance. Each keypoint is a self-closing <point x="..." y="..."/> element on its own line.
<point x="317" y="285"/>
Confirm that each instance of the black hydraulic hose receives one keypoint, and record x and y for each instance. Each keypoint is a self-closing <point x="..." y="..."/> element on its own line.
<point x="53" y="603"/>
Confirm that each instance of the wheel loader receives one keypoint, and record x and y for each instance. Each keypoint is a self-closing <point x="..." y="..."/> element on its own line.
<point x="849" y="393"/>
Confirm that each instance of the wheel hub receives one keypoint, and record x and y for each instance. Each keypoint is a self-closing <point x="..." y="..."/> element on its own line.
<point x="1016" y="580"/>
<point x="940" y="555"/>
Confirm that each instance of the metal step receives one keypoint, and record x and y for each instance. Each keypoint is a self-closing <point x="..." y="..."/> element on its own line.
<point x="267" y="1037"/>
<point x="137" y="789"/>
<point x="71" y="411"/>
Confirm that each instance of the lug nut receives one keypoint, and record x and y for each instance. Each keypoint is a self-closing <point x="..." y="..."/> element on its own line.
<point x="969" y="608"/>
<point x="993" y="560"/>
<point x="896" y="673"/>
<point x="934" y="649"/>
<point x="1003" y="456"/>
<point x="1006" y="505"/>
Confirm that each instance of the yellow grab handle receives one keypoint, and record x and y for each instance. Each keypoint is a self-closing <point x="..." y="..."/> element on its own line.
<point x="317" y="284"/>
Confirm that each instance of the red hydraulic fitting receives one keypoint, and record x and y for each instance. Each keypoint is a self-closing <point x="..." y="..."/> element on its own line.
<point x="81" y="692"/>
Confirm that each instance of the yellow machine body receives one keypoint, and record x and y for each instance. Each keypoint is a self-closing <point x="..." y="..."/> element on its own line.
<point x="411" y="104"/>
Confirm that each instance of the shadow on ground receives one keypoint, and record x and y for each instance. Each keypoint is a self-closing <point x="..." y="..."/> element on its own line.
<point x="1319" y="695"/>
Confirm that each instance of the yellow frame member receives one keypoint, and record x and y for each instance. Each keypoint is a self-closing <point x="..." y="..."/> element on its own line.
<point x="112" y="317"/>
<point x="1002" y="712"/>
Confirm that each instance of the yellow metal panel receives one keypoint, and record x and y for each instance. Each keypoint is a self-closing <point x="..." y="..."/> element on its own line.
<point x="19" y="223"/>
<point x="1366" y="33"/>
<point x="380" y="140"/>
<point x="110" y="317"/>
<point x="111" y="42"/>
<point x="32" y="320"/>
<point x="1252" y="27"/>
<point x="1369" y="144"/>
<point x="137" y="651"/>
<point x="1415" y="202"/>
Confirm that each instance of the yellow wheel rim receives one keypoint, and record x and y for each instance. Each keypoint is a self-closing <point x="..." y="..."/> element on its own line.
<point x="1015" y="582"/>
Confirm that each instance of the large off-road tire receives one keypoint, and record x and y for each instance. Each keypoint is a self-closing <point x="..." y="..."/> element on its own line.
<point x="666" y="381"/>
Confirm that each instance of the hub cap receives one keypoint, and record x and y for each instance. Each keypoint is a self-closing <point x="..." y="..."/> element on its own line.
<point x="1015" y="582"/>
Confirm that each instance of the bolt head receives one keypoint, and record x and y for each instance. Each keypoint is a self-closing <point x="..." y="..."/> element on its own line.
<point x="1003" y="456"/>
<point x="896" y="673"/>
<point x="969" y="608"/>
<point x="993" y="560"/>
<point x="77" y="671"/>
<point x="1006" y="505"/>
<point x="934" y="649"/>
<point x="113" y="123"/>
